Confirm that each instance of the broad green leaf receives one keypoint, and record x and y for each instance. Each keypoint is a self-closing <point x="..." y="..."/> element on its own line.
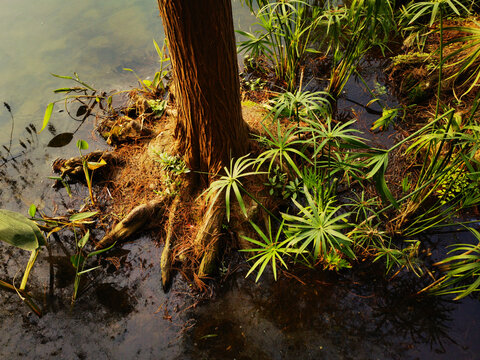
<point x="82" y="145"/>
<point x="46" y="117"/>
<point x="17" y="230"/>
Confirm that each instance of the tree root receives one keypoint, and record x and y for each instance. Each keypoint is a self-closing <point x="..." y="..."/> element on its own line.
<point x="135" y="220"/>
<point x="206" y="241"/>
<point x="166" y="259"/>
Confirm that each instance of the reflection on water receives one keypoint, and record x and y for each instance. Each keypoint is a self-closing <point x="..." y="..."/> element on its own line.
<point x="96" y="39"/>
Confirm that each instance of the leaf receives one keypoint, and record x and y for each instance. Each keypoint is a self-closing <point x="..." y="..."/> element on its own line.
<point x="32" y="210"/>
<point x="83" y="241"/>
<point x="82" y="216"/>
<point x="17" y="230"/>
<point x="95" y="165"/>
<point x="88" y="270"/>
<point x="62" y="76"/>
<point x="63" y="90"/>
<point x="82" y="145"/>
<point x="46" y="117"/>
<point x="61" y="140"/>
<point x="82" y="110"/>
<point x="77" y="260"/>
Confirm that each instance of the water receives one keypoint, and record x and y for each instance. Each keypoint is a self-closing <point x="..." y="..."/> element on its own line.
<point x="123" y="313"/>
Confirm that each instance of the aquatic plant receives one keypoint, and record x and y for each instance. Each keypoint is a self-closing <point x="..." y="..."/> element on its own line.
<point x="231" y="183"/>
<point x="271" y="249"/>
<point x="19" y="231"/>
<point x="299" y="104"/>
<point x="280" y="147"/>
<point x="286" y="36"/>
<point x="463" y="270"/>
<point x="89" y="165"/>
<point x="318" y="226"/>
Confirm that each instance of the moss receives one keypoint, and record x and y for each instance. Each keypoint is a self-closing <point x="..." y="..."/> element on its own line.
<point x="249" y="104"/>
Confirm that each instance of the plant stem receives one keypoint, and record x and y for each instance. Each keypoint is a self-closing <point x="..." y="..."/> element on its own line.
<point x="439" y="88"/>
<point x="31" y="262"/>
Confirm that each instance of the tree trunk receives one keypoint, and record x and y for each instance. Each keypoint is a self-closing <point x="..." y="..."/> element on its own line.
<point x="201" y="40"/>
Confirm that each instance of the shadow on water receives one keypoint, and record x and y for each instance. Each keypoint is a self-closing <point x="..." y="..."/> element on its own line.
<point x="359" y="316"/>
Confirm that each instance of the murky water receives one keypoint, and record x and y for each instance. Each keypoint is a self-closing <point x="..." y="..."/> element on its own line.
<point x="123" y="313"/>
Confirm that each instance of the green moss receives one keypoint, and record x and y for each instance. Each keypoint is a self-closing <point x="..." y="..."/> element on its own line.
<point x="249" y="104"/>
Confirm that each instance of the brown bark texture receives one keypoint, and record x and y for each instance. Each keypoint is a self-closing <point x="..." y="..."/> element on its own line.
<point x="201" y="39"/>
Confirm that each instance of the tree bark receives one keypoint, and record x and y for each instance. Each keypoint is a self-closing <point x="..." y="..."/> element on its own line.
<point x="201" y="40"/>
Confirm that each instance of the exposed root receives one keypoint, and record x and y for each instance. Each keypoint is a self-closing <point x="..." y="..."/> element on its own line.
<point x="206" y="241"/>
<point x="134" y="221"/>
<point x="166" y="259"/>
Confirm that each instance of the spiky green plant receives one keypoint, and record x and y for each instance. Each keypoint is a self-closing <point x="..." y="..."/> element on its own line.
<point x="318" y="227"/>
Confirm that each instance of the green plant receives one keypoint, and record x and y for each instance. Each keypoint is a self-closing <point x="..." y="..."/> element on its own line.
<point x="271" y="249"/>
<point x="231" y="182"/>
<point x="287" y="30"/>
<point x="387" y="118"/>
<point x="18" y="231"/>
<point x="157" y="85"/>
<point x="79" y="260"/>
<point x="299" y="104"/>
<point x="89" y="165"/>
<point x="406" y="257"/>
<point x="435" y="8"/>
<point x="318" y="227"/>
<point x="281" y="149"/>
<point x="85" y="94"/>
<point x="158" y="107"/>
<point x="172" y="163"/>
<point x="463" y="270"/>
<point x="465" y="61"/>
<point x="276" y="181"/>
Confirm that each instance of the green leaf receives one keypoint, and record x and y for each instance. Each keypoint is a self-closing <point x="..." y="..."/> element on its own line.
<point x="32" y="210"/>
<point x="82" y="145"/>
<point x="63" y="90"/>
<point x="46" y="117"/>
<point x="83" y="241"/>
<point x="62" y="76"/>
<point x="77" y="260"/>
<point x="88" y="270"/>
<point x="17" y="230"/>
<point x="82" y="216"/>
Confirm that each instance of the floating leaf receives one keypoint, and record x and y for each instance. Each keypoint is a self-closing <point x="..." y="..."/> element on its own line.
<point x="46" y="117"/>
<point x="61" y="140"/>
<point x="17" y="230"/>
